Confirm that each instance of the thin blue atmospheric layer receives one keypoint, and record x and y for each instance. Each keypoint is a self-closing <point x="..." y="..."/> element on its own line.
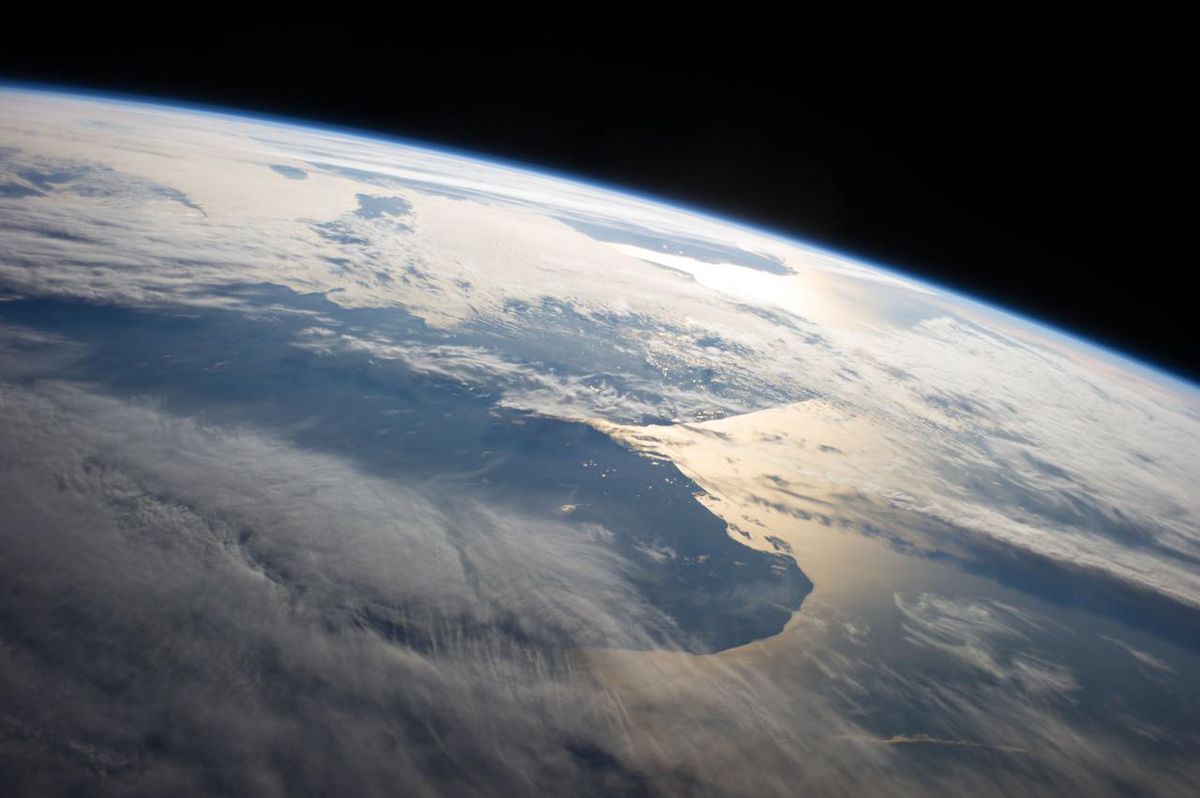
<point x="1107" y="352"/>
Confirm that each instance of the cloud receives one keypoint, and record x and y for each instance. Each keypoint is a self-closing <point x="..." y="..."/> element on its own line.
<point x="1147" y="662"/>
<point x="233" y="602"/>
<point x="987" y="636"/>
<point x="1045" y="453"/>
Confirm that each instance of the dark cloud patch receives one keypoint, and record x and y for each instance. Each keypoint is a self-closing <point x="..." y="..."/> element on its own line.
<point x="17" y="191"/>
<point x="340" y="233"/>
<point x="698" y="249"/>
<point x="372" y="207"/>
<point x="29" y="175"/>
<point x="362" y="227"/>
<point x="431" y="187"/>
<point x="290" y="172"/>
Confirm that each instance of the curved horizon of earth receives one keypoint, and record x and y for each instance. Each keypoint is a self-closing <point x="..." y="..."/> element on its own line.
<point x="338" y="464"/>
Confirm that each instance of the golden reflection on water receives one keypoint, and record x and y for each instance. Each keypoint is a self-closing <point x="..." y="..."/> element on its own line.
<point x="788" y="480"/>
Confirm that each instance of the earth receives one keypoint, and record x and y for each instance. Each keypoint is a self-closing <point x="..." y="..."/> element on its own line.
<point x="335" y="465"/>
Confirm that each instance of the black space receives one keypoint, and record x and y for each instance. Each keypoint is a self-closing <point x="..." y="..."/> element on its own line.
<point x="1044" y="161"/>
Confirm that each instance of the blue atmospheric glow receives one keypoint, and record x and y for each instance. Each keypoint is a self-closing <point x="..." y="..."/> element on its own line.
<point x="1105" y="351"/>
